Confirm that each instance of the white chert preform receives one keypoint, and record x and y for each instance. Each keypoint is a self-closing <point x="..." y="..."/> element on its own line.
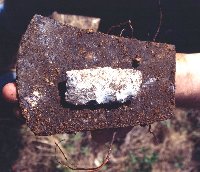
<point x="102" y="85"/>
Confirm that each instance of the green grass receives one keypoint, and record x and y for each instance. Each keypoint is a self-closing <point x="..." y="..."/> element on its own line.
<point x="143" y="161"/>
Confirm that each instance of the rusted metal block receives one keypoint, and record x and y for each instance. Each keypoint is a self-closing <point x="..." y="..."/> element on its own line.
<point x="50" y="50"/>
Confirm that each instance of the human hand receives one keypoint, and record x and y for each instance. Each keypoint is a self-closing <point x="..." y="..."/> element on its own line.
<point x="187" y="92"/>
<point x="9" y="92"/>
<point x="8" y="87"/>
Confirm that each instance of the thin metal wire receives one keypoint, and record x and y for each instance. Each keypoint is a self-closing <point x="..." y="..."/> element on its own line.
<point x="160" y="22"/>
<point x="120" y="25"/>
<point x="93" y="169"/>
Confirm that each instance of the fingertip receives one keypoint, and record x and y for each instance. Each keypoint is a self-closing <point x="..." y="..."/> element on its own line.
<point x="9" y="92"/>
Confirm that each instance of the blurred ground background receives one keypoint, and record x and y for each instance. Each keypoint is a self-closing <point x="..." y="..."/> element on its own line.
<point x="177" y="150"/>
<point x="178" y="147"/>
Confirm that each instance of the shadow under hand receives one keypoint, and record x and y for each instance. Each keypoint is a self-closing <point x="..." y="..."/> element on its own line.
<point x="105" y="135"/>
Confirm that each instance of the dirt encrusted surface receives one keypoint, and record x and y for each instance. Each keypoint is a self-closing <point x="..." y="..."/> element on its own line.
<point x="176" y="148"/>
<point x="49" y="49"/>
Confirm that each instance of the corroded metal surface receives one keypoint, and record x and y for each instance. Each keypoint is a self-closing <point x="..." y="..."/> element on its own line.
<point x="49" y="49"/>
